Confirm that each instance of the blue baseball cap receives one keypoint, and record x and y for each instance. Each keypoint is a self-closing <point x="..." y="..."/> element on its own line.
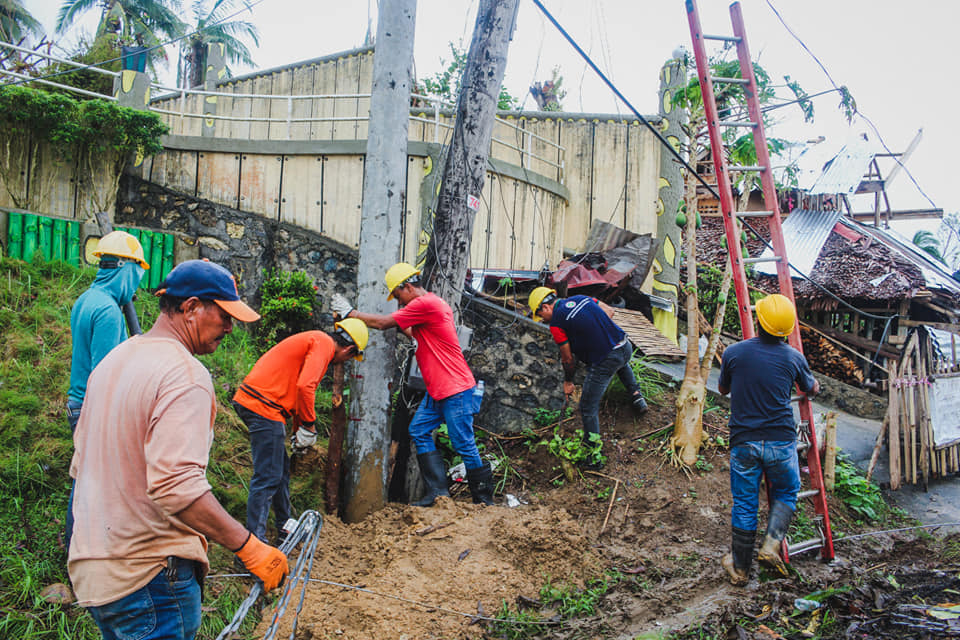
<point x="208" y="281"/>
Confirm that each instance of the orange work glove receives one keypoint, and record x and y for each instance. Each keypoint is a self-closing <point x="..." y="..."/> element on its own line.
<point x="266" y="562"/>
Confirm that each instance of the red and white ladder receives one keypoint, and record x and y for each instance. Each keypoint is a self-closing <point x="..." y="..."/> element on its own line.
<point x="808" y="435"/>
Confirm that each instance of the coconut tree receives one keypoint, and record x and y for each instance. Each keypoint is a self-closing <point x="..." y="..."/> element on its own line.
<point x="16" y="22"/>
<point x="928" y="241"/>
<point x="210" y="25"/>
<point x="142" y="23"/>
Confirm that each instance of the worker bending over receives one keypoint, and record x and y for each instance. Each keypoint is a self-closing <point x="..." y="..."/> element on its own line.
<point x="759" y="374"/>
<point x="283" y="384"/>
<point x="584" y="328"/>
<point x="143" y="507"/>
<point x="96" y="321"/>
<point x="452" y="396"/>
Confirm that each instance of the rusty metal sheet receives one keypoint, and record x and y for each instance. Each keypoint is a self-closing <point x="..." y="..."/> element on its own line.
<point x="217" y="177"/>
<point x="804" y="233"/>
<point x="260" y="184"/>
<point x="845" y="170"/>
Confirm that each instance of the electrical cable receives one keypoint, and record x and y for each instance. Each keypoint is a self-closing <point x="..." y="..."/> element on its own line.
<point x="710" y="188"/>
<point x="247" y="7"/>
<point x="856" y="110"/>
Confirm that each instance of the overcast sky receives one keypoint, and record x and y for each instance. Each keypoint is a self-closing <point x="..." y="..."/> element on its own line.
<point x="894" y="57"/>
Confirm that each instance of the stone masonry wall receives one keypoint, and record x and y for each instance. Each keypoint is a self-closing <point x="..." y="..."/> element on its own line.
<point x="514" y="356"/>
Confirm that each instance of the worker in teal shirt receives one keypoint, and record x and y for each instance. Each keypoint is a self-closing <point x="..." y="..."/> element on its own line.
<point x="96" y="321"/>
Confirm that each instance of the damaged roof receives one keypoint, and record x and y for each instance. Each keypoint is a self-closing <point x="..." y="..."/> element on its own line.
<point x="855" y="262"/>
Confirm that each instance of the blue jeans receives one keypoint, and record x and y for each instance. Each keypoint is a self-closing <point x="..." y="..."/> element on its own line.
<point x="270" y="484"/>
<point x="457" y="412"/>
<point x="73" y="416"/>
<point x="749" y="461"/>
<point x="598" y="379"/>
<point x="163" y="609"/>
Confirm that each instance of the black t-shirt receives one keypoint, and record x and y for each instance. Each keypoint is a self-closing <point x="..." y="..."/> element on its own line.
<point x="760" y="376"/>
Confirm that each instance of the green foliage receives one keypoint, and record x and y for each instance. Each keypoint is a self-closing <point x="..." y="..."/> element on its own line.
<point x="288" y="301"/>
<point x="516" y="625"/>
<point x="446" y="84"/>
<point x="79" y="125"/>
<point x="572" y="602"/>
<point x="546" y="417"/>
<point x="574" y="448"/>
<point x="928" y="242"/>
<point x="858" y="493"/>
<point x="651" y="384"/>
<point x="708" y="295"/>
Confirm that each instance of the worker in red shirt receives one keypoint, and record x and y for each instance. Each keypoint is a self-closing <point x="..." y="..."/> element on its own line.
<point x="282" y="385"/>
<point x="453" y="396"/>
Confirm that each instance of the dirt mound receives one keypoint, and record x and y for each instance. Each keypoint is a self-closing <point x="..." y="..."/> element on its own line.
<point x="455" y="555"/>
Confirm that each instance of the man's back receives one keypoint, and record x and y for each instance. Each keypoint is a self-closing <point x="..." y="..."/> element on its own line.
<point x="761" y="375"/>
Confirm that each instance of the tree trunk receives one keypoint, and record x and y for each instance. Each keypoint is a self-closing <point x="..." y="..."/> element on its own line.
<point x="366" y="457"/>
<point x="465" y="169"/>
<point x="688" y="425"/>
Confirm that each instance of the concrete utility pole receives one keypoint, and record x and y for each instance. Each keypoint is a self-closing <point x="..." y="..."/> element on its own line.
<point x="384" y="183"/>
<point x="466" y="167"/>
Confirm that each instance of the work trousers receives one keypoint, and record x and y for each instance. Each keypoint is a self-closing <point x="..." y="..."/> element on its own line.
<point x="598" y="379"/>
<point x="270" y="484"/>
<point x="166" y="608"/>
<point x="749" y="461"/>
<point x="457" y="412"/>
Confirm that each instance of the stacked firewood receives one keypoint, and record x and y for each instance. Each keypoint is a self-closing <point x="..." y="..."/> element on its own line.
<point x="828" y="359"/>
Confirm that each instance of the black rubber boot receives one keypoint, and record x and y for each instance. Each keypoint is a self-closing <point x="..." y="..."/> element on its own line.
<point x="777" y="524"/>
<point x="481" y="484"/>
<point x="737" y="563"/>
<point x="434" y="473"/>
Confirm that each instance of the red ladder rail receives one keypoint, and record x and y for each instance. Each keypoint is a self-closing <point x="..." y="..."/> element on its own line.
<point x="808" y="435"/>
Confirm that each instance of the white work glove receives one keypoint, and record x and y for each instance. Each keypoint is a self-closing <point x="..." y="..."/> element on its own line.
<point x="303" y="439"/>
<point x="340" y="305"/>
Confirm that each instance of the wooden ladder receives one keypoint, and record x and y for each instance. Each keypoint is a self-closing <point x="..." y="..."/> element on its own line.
<point x="807" y="442"/>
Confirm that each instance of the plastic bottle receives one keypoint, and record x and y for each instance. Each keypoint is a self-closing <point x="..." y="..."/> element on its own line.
<point x="806" y="605"/>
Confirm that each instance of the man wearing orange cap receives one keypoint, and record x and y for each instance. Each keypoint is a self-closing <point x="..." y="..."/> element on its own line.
<point x="143" y="509"/>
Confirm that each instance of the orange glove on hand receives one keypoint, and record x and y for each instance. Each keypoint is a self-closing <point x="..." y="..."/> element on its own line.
<point x="266" y="562"/>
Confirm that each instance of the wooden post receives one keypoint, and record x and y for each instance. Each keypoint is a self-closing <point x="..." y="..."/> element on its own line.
<point x="830" y="451"/>
<point x="338" y="423"/>
<point x="893" y="440"/>
<point x="465" y="169"/>
<point x="384" y="184"/>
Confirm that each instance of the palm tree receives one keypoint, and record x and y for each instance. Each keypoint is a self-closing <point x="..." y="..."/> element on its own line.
<point x="143" y="23"/>
<point x="16" y="22"/>
<point x="210" y="27"/>
<point x="927" y="241"/>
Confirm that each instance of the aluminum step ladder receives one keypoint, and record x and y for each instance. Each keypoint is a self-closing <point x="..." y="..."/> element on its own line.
<point x="807" y="440"/>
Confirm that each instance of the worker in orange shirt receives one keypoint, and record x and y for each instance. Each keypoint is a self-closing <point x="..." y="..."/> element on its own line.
<point x="282" y="385"/>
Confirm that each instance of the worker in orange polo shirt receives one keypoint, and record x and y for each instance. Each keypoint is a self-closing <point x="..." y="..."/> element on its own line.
<point x="282" y="385"/>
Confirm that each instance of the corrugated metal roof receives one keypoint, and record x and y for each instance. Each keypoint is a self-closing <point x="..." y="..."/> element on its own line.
<point x="804" y="232"/>
<point x="846" y="170"/>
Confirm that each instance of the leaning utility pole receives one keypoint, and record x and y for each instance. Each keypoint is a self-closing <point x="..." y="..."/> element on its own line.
<point x="465" y="170"/>
<point x="384" y="184"/>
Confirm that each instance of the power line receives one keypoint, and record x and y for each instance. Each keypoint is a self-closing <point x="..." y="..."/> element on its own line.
<point x="855" y="110"/>
<point x="685" y="164"/>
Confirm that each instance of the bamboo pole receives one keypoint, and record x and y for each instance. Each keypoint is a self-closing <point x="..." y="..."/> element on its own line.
<point x="893" y="440"/>
<point x="830" y="451"/>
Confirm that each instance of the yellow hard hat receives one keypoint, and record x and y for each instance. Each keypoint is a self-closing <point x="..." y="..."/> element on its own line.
<point x="777" y="315"/>
<point x="357" y="331"/>
<point x="397" y="275"/>
<point x="537" y="296"/>
<point x="121" y="244"/>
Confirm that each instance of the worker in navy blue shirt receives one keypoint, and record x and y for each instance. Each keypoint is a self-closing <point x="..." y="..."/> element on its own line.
<point x="759" y="374"/>
<point x="584" y="329"/>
